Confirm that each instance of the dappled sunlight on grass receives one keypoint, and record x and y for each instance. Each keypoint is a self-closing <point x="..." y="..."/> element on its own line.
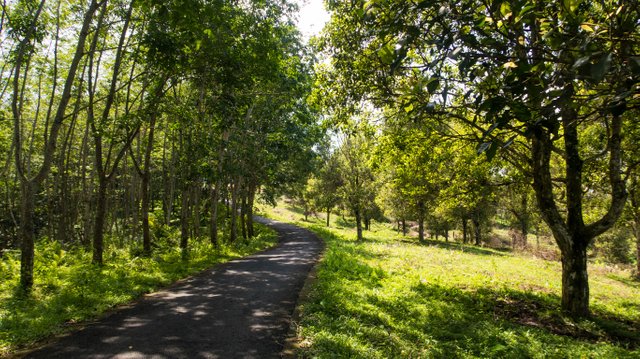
<point x="69" y="289"/>
<point x="390" y="297"/>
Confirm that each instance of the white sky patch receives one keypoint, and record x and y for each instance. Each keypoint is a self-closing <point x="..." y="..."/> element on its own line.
<point x="312" y="17"/>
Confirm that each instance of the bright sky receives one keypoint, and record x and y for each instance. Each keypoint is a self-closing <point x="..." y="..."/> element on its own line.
<point x="312" y="17"/>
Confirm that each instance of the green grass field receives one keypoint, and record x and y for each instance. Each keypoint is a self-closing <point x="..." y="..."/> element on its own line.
<point x="391" y="297"/>
<point x="69" y="289"/>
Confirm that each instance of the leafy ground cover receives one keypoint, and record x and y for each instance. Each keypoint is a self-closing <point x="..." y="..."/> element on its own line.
<point x="70" y="290"/>
<point x="390" y="297"/>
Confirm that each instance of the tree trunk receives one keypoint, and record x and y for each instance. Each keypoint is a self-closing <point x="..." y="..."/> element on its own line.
<point x="575" y="282"/>
<point x="465" y="231"/>
<point x="638" y="252"/>
<point x="328" y="215"/>
<point x="146" y="231"/>
<point x="27" y="232"/>
<point x="524" y="221"/>
<point x="404" y="227"/>
<point x="243" y="216"/>
<point x="421" y="221"/>
<point x="196" y="209"/>
<point x="251" y="199"/>
<point x="168" y="178"/>
<point x="98" y="223"/>
<point x="184" y="220"/>
<point x="636" y="231"/>
<point x="145" y="186"/>
<point x="234" y="213"/>
<point x="213" y="220"/>
<point x="476" y="231"/>
<point x="358" y="224"/>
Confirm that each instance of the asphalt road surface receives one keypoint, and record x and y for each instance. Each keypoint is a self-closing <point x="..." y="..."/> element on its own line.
<point x="241" y="309"/>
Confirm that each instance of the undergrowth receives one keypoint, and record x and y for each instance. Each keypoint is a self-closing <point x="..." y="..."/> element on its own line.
<point x="69" y="290"/>
<point x="391" y="297"/>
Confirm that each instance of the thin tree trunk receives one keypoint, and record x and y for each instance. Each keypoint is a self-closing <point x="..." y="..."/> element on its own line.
<point x="358" y="224"/>
<point x="465" y="231"/>
<point x="328" y="215"/>
<point x="251" y="199"/>
<point x="98" y="223"/>
<point x="476" y="231"/>
<point x="524" y="221"/>
<point x="145" y="178"/>
<point x="27" y="233"/>
<point x="404" y="227"/>
<point x="213" y="220"/>
<point x="234" y="212"/>
<point x="638" y="248"/>
<point x="421" y="215"/>
<point x="184" y="220"/>
<point x="243" y="216"/>
<point x="196" y="209"/>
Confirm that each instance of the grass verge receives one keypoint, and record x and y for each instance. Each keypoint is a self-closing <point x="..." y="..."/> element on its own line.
<point x="390" y="297"/>
<point x="69" y="290"/>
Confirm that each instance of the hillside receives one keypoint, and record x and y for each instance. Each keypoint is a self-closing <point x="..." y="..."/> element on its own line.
<point x="391" y="297"/>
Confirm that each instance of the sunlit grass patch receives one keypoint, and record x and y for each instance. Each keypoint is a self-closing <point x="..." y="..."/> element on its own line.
<point x="391" y="297"/>
<point x="68" y="289"/>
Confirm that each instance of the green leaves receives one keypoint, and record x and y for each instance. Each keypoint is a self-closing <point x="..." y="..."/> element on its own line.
<point x="386" y="54"/>
<point x="601" y="67"/>
<point x="594" y="67"/>
<point x="505" y="9"/>
<point x="571" y="5"/>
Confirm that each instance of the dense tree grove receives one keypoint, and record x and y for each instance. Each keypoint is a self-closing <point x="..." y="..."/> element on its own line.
<point x="120" y="117"/>
<point x="548" y="92"/>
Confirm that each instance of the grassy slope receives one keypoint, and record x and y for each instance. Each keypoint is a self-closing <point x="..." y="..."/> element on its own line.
<point x="391" y="297"/>
<point x="68" y="289"/>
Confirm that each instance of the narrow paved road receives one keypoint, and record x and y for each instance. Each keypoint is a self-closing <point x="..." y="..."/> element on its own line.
<point x="241" y="309"/>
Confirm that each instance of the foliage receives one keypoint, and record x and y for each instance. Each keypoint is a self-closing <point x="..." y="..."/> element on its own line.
<point x="70" y="290"/>
<point x="116" y="106"/>
<point x="548" y="86"/>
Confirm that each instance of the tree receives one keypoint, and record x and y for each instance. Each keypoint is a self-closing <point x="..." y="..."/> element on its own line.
<point x="632" y="148"/>
<point x="212" y="95"/>
<point x="534" y="74"/>
<point x="420" y="165"/>
<point x="357" y="177"/>
<point x="27" y="32"/>
<point x="324" y="189"/>
<point x="107" y="126"/>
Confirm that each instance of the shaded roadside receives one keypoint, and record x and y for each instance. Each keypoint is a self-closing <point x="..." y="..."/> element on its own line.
<point x="241" y="309"/>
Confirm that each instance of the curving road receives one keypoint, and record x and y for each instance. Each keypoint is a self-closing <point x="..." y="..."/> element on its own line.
<point x="241" y="309"/>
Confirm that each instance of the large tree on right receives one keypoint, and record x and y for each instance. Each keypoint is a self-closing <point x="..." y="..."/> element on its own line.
<point x="530" y="77"/>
